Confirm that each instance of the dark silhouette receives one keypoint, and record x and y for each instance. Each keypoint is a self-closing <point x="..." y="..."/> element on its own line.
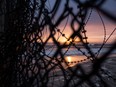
<point x="23" y="58"/>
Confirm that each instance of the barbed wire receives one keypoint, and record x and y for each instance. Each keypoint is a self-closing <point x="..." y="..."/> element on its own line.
<point x="27" y="59"/>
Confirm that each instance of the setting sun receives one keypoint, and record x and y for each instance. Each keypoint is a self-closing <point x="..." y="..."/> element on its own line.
<point x="68" y="41"/>
<point x="68" y="59"/>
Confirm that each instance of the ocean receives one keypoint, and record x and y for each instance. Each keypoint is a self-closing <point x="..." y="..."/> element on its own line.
<point x="74" y="56"/>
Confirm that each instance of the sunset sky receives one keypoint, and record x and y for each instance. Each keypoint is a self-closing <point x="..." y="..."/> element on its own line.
<point x="94" y="27"/>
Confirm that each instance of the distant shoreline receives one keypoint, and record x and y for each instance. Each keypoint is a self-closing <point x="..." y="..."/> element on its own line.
<point x="82" y="46"/>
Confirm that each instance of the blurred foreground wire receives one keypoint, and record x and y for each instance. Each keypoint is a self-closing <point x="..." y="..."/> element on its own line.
<point x="27" y="59"/>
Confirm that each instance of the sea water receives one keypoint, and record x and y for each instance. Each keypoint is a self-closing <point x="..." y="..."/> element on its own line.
<point x="74" y="56"/>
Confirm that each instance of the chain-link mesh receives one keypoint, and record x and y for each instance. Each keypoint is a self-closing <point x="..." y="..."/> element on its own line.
<point x="31" y="54"/>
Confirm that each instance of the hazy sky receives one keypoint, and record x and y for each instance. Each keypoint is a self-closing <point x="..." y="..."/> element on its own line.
<point x="94" y="27"/>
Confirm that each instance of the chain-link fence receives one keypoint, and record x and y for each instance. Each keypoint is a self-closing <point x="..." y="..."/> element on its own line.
<point x="32" y="56"/>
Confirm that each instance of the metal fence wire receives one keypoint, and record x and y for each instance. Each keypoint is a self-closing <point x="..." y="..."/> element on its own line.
<point x="27" y="59"/>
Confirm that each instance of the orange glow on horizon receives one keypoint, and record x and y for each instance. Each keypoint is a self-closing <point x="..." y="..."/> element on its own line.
<point x="64" y="40"/>
<point x="68" y="59"/>
<point x="95" y="34"/>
